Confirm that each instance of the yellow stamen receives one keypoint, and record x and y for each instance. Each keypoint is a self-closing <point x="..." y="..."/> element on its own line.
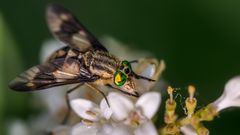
<point x="191" y="91"/>
<point x="170" y="93"/>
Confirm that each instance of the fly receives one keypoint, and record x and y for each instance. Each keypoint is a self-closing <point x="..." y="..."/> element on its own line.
<point x="84" y="61"/>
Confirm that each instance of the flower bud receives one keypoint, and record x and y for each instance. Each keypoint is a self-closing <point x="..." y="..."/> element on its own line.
<point x="230" y="96"/>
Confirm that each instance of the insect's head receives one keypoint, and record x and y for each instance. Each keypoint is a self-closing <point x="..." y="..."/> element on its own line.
<point x="123" y="77"/>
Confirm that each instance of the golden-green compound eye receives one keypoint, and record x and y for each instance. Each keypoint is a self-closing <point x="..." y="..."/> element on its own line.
<point x="119" y="78"/>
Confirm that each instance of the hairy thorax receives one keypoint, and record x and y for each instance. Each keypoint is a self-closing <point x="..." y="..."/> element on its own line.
<point x="102" y="64"/>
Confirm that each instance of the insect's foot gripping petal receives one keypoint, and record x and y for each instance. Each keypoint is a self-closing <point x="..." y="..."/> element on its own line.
<point x="136" y="94"/>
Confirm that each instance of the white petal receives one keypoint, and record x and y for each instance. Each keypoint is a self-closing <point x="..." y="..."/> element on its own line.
<point x="146" y="129"/>
<point x="188" y="130"/>
<point x="143" y="85"/>
<point x="230" y="96"/>
<point x="149" y="71"/>
<point x="105" y="129"/>
<point x="82" y="129"/>
<point x="105" y="109"/>
<point x="120" y="105"/>
<point x="53" y="99"/>
<point x="149" y="103"/>
<point x="80" y="106"/>
<point x="108" y="129"/>
<point x="120" y="130"/>
<point x="150" y="68"/>
<point x="18" y="127"/>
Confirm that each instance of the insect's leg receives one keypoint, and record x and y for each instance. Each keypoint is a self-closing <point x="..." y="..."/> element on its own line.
<point x="68" y="102"/>
<point x="110" y="86"/>
<point x="98" y="90"/>
<point x="133" y="61"/>
<point x="138" y="60"/>
<point x="143" y="77"/>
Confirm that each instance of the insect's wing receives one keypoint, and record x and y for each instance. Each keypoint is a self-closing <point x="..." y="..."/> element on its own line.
<point x="65" y="27"/>
<point x="60" y="53"/>
<point x="55" y="73"/>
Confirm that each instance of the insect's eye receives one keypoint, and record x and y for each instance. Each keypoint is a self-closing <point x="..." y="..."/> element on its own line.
<point x="127" y="70"/>
<point x="119" y="78"/>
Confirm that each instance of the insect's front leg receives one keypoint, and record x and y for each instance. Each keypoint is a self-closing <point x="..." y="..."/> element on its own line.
<point x="110" y="86"/>
<point x="133" y="61"/>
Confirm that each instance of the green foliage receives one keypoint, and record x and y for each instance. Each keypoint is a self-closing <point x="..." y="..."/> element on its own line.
<point x="11" y="103"/>
<point x="1" y="74"/>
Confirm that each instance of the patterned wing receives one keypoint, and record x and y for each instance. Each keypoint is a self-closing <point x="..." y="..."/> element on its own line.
<point x="58" y="72"/>
<point x="65" y="27"/>
<point x="60" y="53"/>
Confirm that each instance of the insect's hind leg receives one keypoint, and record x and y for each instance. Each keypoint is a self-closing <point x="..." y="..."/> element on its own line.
<point x="68" y="102"/>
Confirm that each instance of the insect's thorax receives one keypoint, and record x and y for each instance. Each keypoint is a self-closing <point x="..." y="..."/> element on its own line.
<point x="102" y="64"/>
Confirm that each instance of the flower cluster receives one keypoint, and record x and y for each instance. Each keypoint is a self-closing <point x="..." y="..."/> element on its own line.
<point x="192" y="123"/>
<point x="123" y="117"/>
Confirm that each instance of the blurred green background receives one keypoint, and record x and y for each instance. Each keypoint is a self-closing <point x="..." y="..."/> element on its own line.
<point x="199" y="40"/>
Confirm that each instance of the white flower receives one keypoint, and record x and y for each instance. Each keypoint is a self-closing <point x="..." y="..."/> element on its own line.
<point x="122" y="118"/>
<point x="138" y="116"/>
<point x="105" y="129"/>
<point x="150" y="68"/>
<point x="91" y="111"/>
<point x="94" y="117"/>
<point x="18" y="127"/>
<point x="230" y="96"/>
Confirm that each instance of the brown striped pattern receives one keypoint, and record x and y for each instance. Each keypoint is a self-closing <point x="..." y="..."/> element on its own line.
<point x="103" y="64"/>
